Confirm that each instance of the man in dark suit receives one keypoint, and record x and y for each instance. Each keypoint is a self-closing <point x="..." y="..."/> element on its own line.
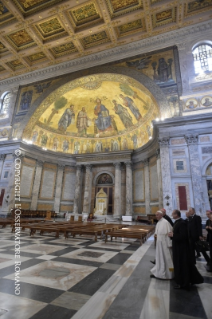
<point x="184" y="269"/>
<point x="194" y="232"/>
<point x="209" y="240"/>
<point x="166" y="216"/>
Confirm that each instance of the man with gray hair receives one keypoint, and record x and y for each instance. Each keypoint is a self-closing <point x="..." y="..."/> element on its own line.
<point x="163" y="268"/>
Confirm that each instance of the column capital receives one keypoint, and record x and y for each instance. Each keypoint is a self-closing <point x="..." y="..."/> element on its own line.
<point x="117" y="165"/>
<point x="88" y="167"/>
<point x="128" y="164"/>
<point x="39" y="163"/>
<point x="164" y="141"/>
<point x="191" y="139"/>
<point x="157" y="153"/>
<point x="79" y="167"/>
<point x="2" y="157"/>
<point x="61" y="166"/>
<point x="146" y="162"/>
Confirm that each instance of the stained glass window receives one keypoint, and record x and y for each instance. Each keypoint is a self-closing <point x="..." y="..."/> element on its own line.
<point x="202" y="58"/>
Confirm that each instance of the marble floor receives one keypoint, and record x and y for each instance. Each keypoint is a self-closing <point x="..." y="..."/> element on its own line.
<point x="80" y="279"/>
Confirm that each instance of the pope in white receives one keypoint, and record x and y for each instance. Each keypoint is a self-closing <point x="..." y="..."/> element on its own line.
<point x="163" y="268"/>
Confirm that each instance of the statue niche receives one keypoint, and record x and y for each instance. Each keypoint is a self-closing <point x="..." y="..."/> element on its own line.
<point x="101" y="203"/>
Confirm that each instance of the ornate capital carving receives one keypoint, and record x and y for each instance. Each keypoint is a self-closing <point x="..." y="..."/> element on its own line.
<point x="146" y="162"/>
<point x="157" y="153"/>
<point x="88" y="167"/>
<point x="39" y="163"/>
<point x="117" y="165"/>
<point x="191" y="139"/>
<point x="164" y="141"/>
<point x="79" y="167"/>
<point x="2" y="157"/>
<point x="128" y="164"/>
<point x="61" y="166"/>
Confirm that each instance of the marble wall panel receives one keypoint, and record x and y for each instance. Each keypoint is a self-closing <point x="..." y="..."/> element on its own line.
<point x="153" y="182"/>
<point x="27" y="179"/>
<point x="47" y="184"/>
<point x="69" y="186"/>
<point x="138" y="182"/>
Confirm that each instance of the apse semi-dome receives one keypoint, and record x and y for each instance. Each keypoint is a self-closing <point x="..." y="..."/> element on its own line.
<point x="98" y="113"/>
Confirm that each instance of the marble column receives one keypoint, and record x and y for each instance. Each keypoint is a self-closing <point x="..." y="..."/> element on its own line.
<point x="206" y="204"/>
<point x="87" y="190"/>
<point x="166" y="175"/>
<point x="58" y="189"/>
<point x="147" y="186"/>
<point x="196" y="175"/>
<point x="2" y="157"/>
<point x="160" y="191"/>
<point x="12" y="193"/>
<point x="117" y="192"/>
<point x="129" y="197"/>
<point x="77" y="189"/>
<point x="36" y="185"/>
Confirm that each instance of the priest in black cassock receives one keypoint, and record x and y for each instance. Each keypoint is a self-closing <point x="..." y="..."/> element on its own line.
<point x="184" y="268"/>
<point x="166" y="216"/>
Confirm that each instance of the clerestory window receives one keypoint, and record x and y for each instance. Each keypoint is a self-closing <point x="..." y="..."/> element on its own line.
<point x="202" y="58"/>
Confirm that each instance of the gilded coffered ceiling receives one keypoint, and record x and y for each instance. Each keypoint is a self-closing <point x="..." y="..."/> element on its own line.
<point x="35" y="34"/>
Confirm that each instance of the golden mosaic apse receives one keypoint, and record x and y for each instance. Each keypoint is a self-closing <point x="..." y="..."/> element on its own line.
<point x="98" y="113"/>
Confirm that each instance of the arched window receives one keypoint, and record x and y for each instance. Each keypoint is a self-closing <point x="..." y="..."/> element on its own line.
<point x="4" y="104"/>
<point x="202" y="58"/>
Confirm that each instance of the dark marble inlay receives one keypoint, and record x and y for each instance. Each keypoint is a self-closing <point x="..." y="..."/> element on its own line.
<point x="119" y="259"/>
<point x="186" y="303"/>
<point x="91" y="283"/>
<point x="54" y="312"/>
<point x="63" y="251"/>
<point x="91" y="254"/>
<point x="30" y="291"/>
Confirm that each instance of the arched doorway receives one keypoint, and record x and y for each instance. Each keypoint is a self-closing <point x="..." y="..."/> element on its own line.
<point x="105" y="181"/>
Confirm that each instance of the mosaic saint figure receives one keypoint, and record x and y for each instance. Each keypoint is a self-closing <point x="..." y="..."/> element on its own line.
<point x="34" y="137"/>
<point x="103" y="122"/>
<point x="123" y="114"/>
<point x="135" y="141"/>
<point x="115" y="146"/>
<point x="66" y="119"/>
<point x="125" y="144"/>
<point x="128" y="102"/>
<point x="55" y="144"/>
<point x="82" y="122"/>
<point x="65" y="145"/>
<point x="76" y="147"/>
<point x="163" y="70"/>
<point x="26" y="98"/>
<point x="44" y="139"/>
<point x="98" y="147"/>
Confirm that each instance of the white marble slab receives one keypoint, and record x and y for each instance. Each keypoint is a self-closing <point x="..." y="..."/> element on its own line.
<point x="19" y="307"/>
<point x="109" y="245"/>
<point x="156" y="304"/>
<point x="75" y="273"/>
<point x="42" y="248"/>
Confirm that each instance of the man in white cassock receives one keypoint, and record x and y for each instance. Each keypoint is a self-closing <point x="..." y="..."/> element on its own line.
<point x="163" y="268"/>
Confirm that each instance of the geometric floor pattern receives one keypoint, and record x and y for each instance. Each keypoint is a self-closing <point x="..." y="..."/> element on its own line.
<point x="83" y="279"/>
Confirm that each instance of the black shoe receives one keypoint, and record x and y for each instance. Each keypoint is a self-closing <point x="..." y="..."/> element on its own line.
<point x="152" y="276"/>
<point x="152" y="261"/>
<point x="177" y="287"/>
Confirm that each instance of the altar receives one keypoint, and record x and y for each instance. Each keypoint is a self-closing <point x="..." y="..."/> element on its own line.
<point x="101" y="203"/>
